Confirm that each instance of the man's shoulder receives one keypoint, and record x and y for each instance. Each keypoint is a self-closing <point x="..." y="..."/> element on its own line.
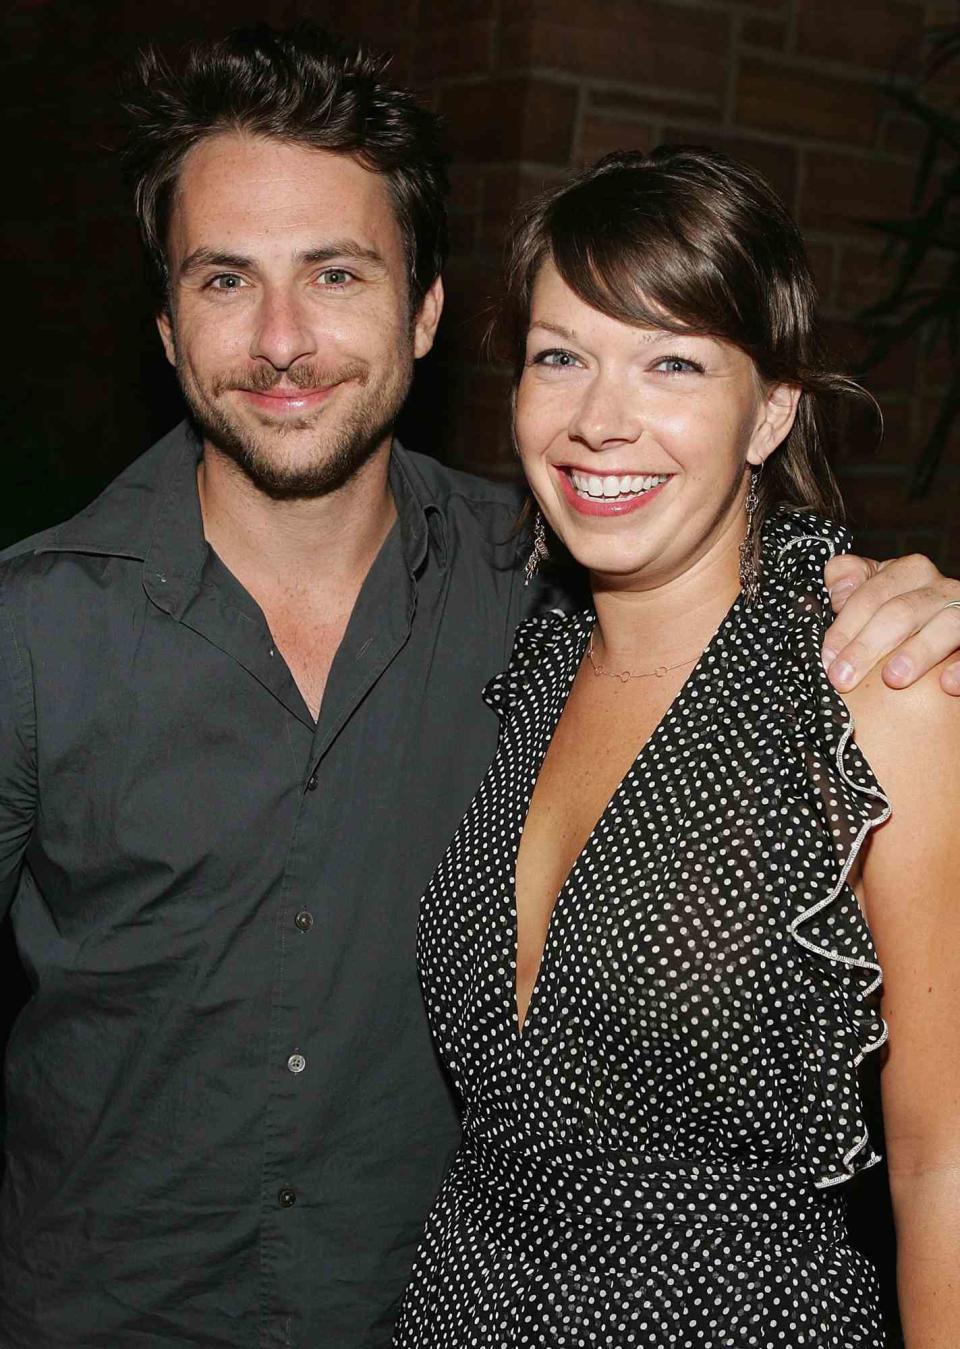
<point x="117" y="523"/>
<point x="444" y="487"/>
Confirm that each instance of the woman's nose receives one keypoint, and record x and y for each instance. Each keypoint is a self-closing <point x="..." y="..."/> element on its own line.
<point x="606" y="415"/>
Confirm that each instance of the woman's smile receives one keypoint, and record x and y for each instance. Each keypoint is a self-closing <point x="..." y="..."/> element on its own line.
<point x="593" y="493"/>
<point x="637" y="441"/>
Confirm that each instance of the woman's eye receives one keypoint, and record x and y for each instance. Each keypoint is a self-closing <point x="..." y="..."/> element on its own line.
<point x="555" y="357"/>
<point x="678" y="365"/>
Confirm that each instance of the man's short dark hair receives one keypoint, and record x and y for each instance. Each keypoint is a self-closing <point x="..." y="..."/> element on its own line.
<point x="303" y="86"/>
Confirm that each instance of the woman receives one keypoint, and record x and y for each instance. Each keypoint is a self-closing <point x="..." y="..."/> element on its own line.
<point x="647" y="956"/>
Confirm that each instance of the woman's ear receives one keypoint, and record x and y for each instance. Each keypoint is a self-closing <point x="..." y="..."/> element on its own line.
<point x="776" y="415"/>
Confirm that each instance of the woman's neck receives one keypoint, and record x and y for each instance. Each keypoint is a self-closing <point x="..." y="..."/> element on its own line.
<point x="661" y="624"/>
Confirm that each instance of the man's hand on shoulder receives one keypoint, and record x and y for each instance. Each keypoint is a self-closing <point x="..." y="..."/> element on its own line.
<point x="902" y="613"/>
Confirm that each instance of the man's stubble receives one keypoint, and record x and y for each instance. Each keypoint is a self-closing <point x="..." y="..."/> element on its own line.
<point x="341" y="449"/>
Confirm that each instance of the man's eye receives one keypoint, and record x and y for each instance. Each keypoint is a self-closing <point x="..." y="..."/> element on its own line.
<point x="556" y="357"/>
<point x="226" y="281"/>
<point x="678" y="365"/>
<point x="336" y="276"/>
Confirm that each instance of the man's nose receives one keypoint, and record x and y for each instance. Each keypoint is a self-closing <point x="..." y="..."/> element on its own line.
<point x="283" y="334"/>
<point x="607" y="414"/>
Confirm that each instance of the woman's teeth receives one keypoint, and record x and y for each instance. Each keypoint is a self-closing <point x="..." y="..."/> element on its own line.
<point x="611" y="486"/>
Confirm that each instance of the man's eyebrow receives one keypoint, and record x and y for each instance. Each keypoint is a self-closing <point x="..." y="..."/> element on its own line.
<point x="342" y="248"/>
<point x="348" y="249"/>
<point x="208" y="257"/>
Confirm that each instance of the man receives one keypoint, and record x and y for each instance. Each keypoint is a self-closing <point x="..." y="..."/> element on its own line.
<point x="239" y="721"/>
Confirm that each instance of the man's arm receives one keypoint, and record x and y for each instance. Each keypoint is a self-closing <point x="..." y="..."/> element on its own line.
<point x="18" y="775"/>
<point x="902" y="613"/>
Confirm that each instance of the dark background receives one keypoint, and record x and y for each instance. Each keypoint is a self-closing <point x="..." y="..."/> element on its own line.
<point x="803" y="89"/>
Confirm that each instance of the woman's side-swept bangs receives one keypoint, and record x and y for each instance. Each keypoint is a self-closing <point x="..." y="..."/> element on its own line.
<point x="653" y="264"/>
<point x="689" y="241"/>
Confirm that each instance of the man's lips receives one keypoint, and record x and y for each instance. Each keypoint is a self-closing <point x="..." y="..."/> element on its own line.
<point x="280" y="401"/>
<point x="587" y="505"/>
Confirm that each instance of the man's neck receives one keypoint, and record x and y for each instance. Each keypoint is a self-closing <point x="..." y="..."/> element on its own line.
<point x="294" y="545"/>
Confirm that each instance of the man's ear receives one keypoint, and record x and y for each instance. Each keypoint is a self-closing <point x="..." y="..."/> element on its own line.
<point x="778" y="412"/>
<point x="165" y="329"/>
<point x="428" y="316"/>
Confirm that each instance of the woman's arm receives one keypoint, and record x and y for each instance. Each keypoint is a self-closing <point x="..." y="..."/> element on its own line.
<point x="910" y="888"/>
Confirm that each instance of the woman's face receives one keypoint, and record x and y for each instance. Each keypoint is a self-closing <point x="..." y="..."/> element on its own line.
<point x="635" y="440"/>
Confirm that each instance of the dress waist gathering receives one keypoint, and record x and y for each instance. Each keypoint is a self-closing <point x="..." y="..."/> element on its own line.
<point x="585" y="1182"/>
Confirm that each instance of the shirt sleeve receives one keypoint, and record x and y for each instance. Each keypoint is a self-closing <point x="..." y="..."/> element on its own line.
<point x="18" y="764"/>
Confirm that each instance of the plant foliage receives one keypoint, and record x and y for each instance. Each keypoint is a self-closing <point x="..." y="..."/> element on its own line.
<point x="915" y="306"/>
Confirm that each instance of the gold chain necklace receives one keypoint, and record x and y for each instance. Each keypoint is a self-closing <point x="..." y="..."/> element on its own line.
<point x="625" y="675"/>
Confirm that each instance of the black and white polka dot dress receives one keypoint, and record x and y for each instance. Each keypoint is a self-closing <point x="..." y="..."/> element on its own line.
<point x="659" y="1159"/>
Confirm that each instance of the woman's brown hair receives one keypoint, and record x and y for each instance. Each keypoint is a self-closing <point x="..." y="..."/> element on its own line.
<point x="688" y="240"/>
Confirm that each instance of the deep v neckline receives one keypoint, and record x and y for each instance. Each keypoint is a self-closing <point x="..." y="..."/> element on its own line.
<point x="692" y="682"/>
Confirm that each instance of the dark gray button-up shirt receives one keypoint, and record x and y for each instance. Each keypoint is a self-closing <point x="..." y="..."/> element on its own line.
<point x="226" y="1122"/>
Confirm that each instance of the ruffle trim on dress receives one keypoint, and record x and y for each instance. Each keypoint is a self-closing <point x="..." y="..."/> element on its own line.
<point x="534" y="638"/>
<point x="840" y="783"/>
<point x="819" y="773"/>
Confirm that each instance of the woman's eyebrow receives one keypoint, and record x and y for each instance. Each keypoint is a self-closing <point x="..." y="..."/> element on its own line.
<point x="557" y="329"/>
<point x="643" y="334"/>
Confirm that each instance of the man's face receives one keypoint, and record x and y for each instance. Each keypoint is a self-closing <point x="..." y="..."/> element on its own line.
<point x="290" y="320"/>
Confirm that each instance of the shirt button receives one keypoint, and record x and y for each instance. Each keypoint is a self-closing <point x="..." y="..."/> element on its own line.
<point x="286" y="1197"/>
<point x="304" y="920"/>
<point x="312" y="781"/>
<point x="296" y="1063"/>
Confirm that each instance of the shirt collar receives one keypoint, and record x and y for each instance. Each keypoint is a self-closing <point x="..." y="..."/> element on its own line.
<point x="421" y="520"/>
<point x="152" y="512"/>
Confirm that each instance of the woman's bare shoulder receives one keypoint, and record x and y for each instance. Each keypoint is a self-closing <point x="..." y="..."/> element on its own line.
<point x="910" y="737"/>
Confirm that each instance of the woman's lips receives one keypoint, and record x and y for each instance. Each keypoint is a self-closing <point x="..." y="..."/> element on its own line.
<point x="282" y="402"/>
<point x="604" y="505"/>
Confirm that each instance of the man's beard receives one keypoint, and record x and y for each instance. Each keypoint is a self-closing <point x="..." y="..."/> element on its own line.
<point x="342" y="449"/>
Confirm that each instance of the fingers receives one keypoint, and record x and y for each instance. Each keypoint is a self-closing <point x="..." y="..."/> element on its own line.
<point x="875" y="584"/>
<point x="863" y="636"/>
<point x="950" y="679"/>
<point x="870" y="613"/>
<point x="931" y="644"/>
<point x="910" y="633"/>
<point x="844" y="573"/>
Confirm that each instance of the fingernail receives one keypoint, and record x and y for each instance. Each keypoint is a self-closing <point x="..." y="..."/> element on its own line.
<point x="841" y="673"/>
<point x="950" y="679"/>
<point x="842" y="591"/>
<point x="828" y="656"/>
<point x="901" y="667"/>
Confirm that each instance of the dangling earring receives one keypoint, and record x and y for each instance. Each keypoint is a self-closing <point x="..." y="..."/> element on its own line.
<point x="539" y="552"/>
<point x="749" y="570"/>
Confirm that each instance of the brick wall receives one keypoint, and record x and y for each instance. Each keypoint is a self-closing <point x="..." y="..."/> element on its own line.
<point x="799" y="88"/>
<point x="530" y="88"/>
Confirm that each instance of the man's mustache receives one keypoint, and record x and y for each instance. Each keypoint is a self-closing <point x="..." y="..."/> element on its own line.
<point x="304" y="376"/>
